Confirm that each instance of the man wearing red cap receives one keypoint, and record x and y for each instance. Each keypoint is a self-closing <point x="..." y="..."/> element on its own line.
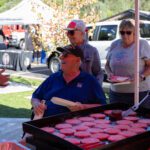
<point x="76" y="32"/>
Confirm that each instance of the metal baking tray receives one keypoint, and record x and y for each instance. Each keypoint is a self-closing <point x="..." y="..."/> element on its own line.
<point x="47" y="140"/>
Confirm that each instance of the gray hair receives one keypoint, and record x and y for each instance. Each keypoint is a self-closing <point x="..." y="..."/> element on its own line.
<point x="130" y="23"/>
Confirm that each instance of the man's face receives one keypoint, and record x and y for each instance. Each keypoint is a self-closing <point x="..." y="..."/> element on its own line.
<point x="75" y="36"/>
<point x="68" y="62"/>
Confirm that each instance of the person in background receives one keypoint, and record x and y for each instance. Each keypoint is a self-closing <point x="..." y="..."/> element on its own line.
<point x="69" y="83"/>
<point x="2" y="35"/>
<point x="3" y="78"/>
<point x="3" y="40"/>
<point x="37" y="44"/>
<point x="120" y="62"/>
<point x="28" y="40"/>
<point x="76" y="33"/>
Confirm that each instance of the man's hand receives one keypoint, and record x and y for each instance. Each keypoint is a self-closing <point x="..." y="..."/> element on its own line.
<point x="109" y="75"/>
<point x="77" y="107"/>
<point x="38" y="107"/>
<point x="80" y="106"/>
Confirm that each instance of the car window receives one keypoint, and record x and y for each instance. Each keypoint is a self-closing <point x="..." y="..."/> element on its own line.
<point x="145" y="30"/>
<point x="107" y="32"/>
<point x="96" y="31"/>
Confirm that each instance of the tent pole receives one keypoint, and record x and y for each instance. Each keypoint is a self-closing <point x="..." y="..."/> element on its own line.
<point x="136" y="58"/>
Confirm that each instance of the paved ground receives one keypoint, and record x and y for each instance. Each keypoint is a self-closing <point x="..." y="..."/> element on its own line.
<point x="14" y="87"/>
<point x="11" y="128"/>
<point x="38" y="71"/>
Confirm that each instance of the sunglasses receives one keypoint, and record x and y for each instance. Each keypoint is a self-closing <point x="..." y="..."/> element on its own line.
<point x="125" y="32"/>
<point x="71" y="32"/>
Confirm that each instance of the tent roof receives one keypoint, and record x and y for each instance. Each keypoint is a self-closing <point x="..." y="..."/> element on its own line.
<point x="130" y="13"/>
<point x="27" y="12"/>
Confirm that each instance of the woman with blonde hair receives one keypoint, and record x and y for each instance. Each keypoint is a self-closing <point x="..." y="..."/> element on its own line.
<point x="120" y="62"/>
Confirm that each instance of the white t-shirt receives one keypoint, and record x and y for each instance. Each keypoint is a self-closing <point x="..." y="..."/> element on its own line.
<point x="121" y="61"/>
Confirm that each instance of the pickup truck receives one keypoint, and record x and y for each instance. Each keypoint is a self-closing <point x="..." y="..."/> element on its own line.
<point x="104" y="34"/>
<point x="17" y="39"/>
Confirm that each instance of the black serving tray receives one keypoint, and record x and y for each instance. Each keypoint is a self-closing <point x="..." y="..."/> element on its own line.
<point x="42" y="139"/>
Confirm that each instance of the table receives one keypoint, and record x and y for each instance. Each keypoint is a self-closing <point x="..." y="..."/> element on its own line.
<point x="15" y="59"/>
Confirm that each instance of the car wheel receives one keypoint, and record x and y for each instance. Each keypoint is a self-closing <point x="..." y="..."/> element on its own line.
<point x="54" y="64"/>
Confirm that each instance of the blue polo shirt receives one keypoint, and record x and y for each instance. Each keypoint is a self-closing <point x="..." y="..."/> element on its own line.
<point x="84" y="89"/>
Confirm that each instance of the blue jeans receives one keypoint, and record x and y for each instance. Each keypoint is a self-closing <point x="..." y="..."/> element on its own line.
<point x="128" y="98"/>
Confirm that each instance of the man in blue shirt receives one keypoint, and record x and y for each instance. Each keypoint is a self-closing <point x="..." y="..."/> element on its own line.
<point x="70" y="84"/>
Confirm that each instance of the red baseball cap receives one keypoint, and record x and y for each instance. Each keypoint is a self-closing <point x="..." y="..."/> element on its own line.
<point x="76" y="25"/>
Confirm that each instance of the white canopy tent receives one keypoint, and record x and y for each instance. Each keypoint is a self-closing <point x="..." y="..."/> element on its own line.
<point x="27" y="12"/>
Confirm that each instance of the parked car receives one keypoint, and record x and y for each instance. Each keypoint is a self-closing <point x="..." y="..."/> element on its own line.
<point x="15" y="35"/>
<point x="17" y="40"/>
<point x="104" y="34"/>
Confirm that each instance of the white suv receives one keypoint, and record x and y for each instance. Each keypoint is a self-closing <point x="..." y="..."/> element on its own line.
<point x="107" y="32"/>
<point x="102" y="37"/>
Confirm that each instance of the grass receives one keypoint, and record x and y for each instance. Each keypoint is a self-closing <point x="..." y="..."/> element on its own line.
<point x="27" y="81"/>
<point x="17" y="105"/>
<point x="8" y="4"/>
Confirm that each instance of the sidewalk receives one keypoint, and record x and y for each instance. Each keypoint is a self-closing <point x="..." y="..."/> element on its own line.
<point x="40" y="72"/>
<point x="15" y="87"/>
<point x="11" y="128"/>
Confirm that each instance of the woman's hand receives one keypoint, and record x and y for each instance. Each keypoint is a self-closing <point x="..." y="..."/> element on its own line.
<point x="133" y="79"/>
<point x="109" y="75"/>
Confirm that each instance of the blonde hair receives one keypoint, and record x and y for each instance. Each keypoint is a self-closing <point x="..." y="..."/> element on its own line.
<point x="129" y="23"/>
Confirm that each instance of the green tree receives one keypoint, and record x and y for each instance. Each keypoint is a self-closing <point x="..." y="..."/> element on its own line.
<point x="107" y="8"/>
<point x="7" y="4"/>
<point x="145" y="5"/>
<point x="64" y="11"/>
